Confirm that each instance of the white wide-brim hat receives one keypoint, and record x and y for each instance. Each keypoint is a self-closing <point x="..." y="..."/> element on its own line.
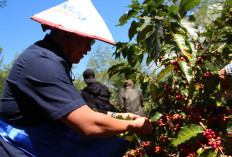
<point x="76" y="16"/>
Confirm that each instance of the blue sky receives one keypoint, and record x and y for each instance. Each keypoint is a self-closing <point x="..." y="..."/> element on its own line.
<point x="18" y="31"/>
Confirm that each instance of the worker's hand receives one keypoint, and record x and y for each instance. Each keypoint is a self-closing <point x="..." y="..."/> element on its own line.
<point x="223" y="79"/>
<point x="141" y="126"/>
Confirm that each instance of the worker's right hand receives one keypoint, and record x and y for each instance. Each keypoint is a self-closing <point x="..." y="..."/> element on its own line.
<point x="141" y="126"/>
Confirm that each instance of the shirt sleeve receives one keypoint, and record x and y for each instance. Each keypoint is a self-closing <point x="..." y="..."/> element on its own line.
<point x="48" y="88"/>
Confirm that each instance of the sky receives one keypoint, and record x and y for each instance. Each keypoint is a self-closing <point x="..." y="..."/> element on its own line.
<point x="18" y="31"/>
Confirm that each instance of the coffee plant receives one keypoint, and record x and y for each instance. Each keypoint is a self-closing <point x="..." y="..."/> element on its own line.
<point x="190" y="111"/>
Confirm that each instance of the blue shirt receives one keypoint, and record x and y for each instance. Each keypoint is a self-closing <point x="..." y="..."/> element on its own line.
<point x="39" y="88"/>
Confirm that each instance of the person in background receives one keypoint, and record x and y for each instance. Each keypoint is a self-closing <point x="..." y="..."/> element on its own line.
<point x="131" y="100"/>
<point x="96" y="95"/>
<point x="42" y="113"/>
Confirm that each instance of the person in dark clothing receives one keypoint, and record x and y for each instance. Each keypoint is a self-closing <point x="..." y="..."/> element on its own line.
<point x="96" y="95"/>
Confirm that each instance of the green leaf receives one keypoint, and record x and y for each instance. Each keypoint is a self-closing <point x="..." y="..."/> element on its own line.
<point x="200" y="151"/>
<point x="158" y="2"/>
<point x="167" y="48"/>
<point x="192" y="18"/>
<point x="128" y="117"/>
<point x="187" y="133"/>
<point x="187" y="70"/>
<point x="127" y="136"/>
<point x="131" y="55"/>
<point x="121" y="48"/>
<point x="125" y="17"/>
<point x="180" y="40"/>
<point x="144" y="7"/>
<point x="135" y="4"/>
<point x="132" y="30"/>
<point x="164" y="72"/>
<point x="194" y="53"/>
<point x="182" y="12"/>
<point x="190" y="28"/>
<point x="229" y="2"/>
<point x="156" y="91"/>
<point x="174" y="9"/>
<point x="187" y="5"/>
<point x="148" y="6"/>
<point x="143" y="30"/>
<point x="156" y="117"/>
<point x="151" y="4"/>
<point x="208" y="153"/>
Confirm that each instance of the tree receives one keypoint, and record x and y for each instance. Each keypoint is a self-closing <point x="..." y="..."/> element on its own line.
<point x="189" y="112"/>
<point x="208" y="11"/>
<point x="4" y="72"/>
<point x="99" y="61"/>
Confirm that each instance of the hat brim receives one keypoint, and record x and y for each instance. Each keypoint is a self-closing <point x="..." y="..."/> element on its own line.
<point x="53" y="26"/>
<point x="78" y="17"/>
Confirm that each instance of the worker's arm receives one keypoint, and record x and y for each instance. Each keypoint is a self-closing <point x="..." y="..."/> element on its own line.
<point x="93" y="124"/>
